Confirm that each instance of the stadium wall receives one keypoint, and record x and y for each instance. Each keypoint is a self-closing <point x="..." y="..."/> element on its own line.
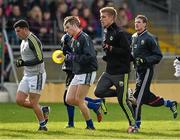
<point x="54" y="92"/>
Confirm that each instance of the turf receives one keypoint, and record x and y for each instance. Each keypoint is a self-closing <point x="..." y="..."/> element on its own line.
<point x="19" y="123"/>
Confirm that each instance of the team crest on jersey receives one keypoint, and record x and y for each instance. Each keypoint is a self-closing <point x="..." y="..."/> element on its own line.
<point x="111" y="38"/>
<point x="121" y="83"/>
<point x="78" y="44"/>
<point x="135" y="46"/>
<point x="142" y="42"/>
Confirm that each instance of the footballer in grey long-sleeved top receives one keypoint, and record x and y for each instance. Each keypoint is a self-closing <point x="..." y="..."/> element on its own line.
<point x="31" y="53"/>
<point x="34" y="78"/>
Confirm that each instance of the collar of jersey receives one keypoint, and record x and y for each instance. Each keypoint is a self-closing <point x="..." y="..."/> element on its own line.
<point x="77" y="35"/>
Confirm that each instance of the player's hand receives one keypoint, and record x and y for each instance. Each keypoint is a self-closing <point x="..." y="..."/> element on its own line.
<point x="19" y="63"/>
<point x="66" y="38"/>
<point x="107" y="47"/>
<point x="70" y="57"/>
<point x="140" y="61"/>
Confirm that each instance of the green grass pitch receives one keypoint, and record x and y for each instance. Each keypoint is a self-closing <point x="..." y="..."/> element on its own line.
<point x="20" y="123"/>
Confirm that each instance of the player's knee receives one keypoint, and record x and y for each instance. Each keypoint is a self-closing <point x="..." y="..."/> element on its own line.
<point x="19" y="101"/>
<point x="79" y="101"/>
<point x="34" y="104"/>
<point x="69" y="101"/>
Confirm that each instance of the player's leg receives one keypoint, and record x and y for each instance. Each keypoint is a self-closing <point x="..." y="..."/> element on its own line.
<point x="71" y="94"/>
<point x="142" y="91"/>
<point x="138" y="119"/>
<point x="172" y="105"/>
<point x="70" y="111"/>
<point x="46" y="111"/>
<point x="103" y="87"/>
<point x="121" y="84"/>
<point x="96" y="107"/>
<point x="81" y="93"/>
<point x="97" y="100"/>
<point x="22" y="93"/>
<point x="36" y="84"/>
<point x="100" y="101"/>
<point x="77" y="92"/>
<point x="34" y="100"/>
<point x="156" y="101"/>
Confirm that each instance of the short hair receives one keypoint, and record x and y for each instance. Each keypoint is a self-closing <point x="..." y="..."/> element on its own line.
<point x="110" y="10"/>
<point x="143" y="17"/>
<point x="73" y="20"/>
<point x="21" y="23"/>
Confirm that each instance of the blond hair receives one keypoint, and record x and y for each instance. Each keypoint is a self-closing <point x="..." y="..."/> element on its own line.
<point x="73" y="20"/>
<point x="110" y="10"/>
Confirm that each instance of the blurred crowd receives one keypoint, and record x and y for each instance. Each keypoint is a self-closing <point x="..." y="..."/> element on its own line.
<point x="46" y="16"/>
<point x="46" y="20"/>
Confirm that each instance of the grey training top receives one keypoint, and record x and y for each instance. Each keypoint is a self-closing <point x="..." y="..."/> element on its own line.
<point x="31" y="53"/>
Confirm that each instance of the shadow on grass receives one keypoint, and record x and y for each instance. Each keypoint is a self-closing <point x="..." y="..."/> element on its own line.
<point x="82" y="133"/>
<point x="14" y="133"/>
<point x="149" y="133"/>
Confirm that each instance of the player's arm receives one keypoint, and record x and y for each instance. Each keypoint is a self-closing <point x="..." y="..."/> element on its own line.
<point x="156" y="56"/>
<point x="66" y="43"/>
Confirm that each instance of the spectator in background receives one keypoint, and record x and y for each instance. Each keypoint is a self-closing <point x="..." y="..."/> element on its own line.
<point x="1" y="18"/>
<point x="41" y="24"/>
<point x="8" y="8"/>
<point x="80" y="4"/>
<point x="122" y="18"/>
<point x="25" y="6"/>
<point x="53" y="9"/>
<point x="127" y="10"/>
<point x="1" y="48"/>
<point x="35" y="20"/>
<point x="7" y="66"/>
<point x="61" y="13"/>
<point x="46" y="28"/>
<point x="75" y="12"/>
<point x="1" y="9"/>
<point x="122" y="22"/>
<point x="90" y="27"/>
<point x="110" y="4"/>
<point x="37" y="25"/>
<point x="69" y="4"/>
<point x="96" y="6"/>
<point x="1" y="52"/>
<point x="11" y="19"/>
<point x="1" y="4"/>
<point x="43" y="4"/>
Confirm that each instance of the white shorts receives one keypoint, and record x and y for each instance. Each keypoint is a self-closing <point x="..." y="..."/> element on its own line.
<point x="32" y="84"/>
<point x="84" y="79"/>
